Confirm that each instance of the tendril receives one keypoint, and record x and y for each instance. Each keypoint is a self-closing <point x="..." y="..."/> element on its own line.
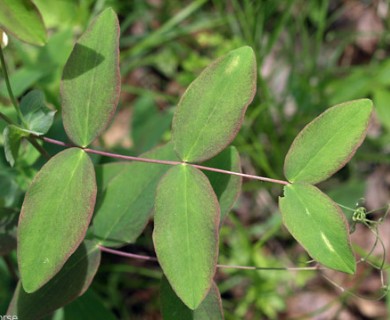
<point x="360" y="216"/>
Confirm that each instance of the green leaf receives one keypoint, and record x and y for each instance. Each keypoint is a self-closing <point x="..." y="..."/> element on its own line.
<point x="55" y="215"/>
<point x="38" y="120"/>
<point x="174" y="309"/>
<point x="126" y="197"/>
<point x="10" y="190"/>
<point x="23" y="20"/>
<point x="28" y="155"/>
<point x="8" y="223"/>
<point x="381" y="101"/>
<point x="185" y="232"/>
<point x="37" y="116"/>
<point x="211" y="111"/>
<point x="121" y="216"/>
<point x="21" y="80"/>
<point x="226" y="187"/>
<point x="42" y="67"/>
<point x="88" y="307"/>
<point x="328" y="142"/>
<point x="319" y="226"/>
<point x="90" y="83"/>
<point x="10" y="113"/>
<point x="60" y="14"/>
<point x="12" y="138"/>
<point x="72" y="281"/>
<point x="53" y="56"/>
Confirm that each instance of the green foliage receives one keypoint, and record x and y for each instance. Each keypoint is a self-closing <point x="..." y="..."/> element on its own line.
<point x="88" y="307"/>
<point x="72" y="281"/>
<point x="37" y="120"/>
<point x="23" y="20"/>
<point x="61" y="14"/>
<point x="8" y="223"/>
<point x="324" y="146"/>
<point x="226" y="187"/>
<point x="248" y="245"/>
<point x="328" y="142"/>
<point x="173" y="308"/>
<point x="185" y="232"/>
<point x="36" y="115"/>
<point x="121" y="216"/>
<point x="210" y="113"/>
<point x="149" y="124"/>
<point x="41" y="67"/>
<point x="12" y="138"/>
<point x="22" y="80"/>
<point x="58" y="206"/>
<point x="91" y="80"/>
<point x="56" y="262"/>
<point x="381" y="100"/>
<point x="319" y="225"/>
<point x="363" y="81"/>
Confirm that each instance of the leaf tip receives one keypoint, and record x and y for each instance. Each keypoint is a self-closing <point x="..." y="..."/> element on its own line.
<point x="351" y="269"/>
<point x="111" y="12"/>
<point x="245" y="50"/>
<point x="28" y="285"/>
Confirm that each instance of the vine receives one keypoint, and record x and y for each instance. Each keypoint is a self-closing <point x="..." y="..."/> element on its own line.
<point x="68" y="217"/>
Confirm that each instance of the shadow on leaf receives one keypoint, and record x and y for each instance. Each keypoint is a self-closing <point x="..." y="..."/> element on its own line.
<point x="71" y="282"/>
<point x="81" y="60"/>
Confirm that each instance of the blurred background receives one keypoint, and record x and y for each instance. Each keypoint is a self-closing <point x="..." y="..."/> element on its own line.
<point x="311" y="55"/>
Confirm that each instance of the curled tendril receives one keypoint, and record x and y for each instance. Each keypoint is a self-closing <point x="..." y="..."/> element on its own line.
<point x="360" y="215"/>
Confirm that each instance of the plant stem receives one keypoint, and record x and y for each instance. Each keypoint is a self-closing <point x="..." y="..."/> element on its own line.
<point x="127" y="255"/>
<point x="37" y="146"/>
<point x="221" y="266"/>
<point x="8" y="84"/>
<point x="57" y="142"/>
<point x="244" y="175"/>
<point x="314" y="268"/>
<point x="131" y="158"/>
<point x="166" y="162"/>
<point x="16" y="106"/>
<point x="5" y="118"/>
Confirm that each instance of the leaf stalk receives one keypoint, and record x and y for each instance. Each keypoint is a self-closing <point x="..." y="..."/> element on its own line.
<point x="166" y="162"/>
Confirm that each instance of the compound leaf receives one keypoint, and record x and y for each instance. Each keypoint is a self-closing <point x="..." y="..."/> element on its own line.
<point x="90" y="83"/>
<point x="72" y="281"/>
<point x="185" y="232"/>
<point x="23" y="20"/>
<point x="328" y="142"/>
<point x="55" y="215"/>
<point x="319" y="225"/>
<point x="211" y="111"/>
<point x="174" y="309"/>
